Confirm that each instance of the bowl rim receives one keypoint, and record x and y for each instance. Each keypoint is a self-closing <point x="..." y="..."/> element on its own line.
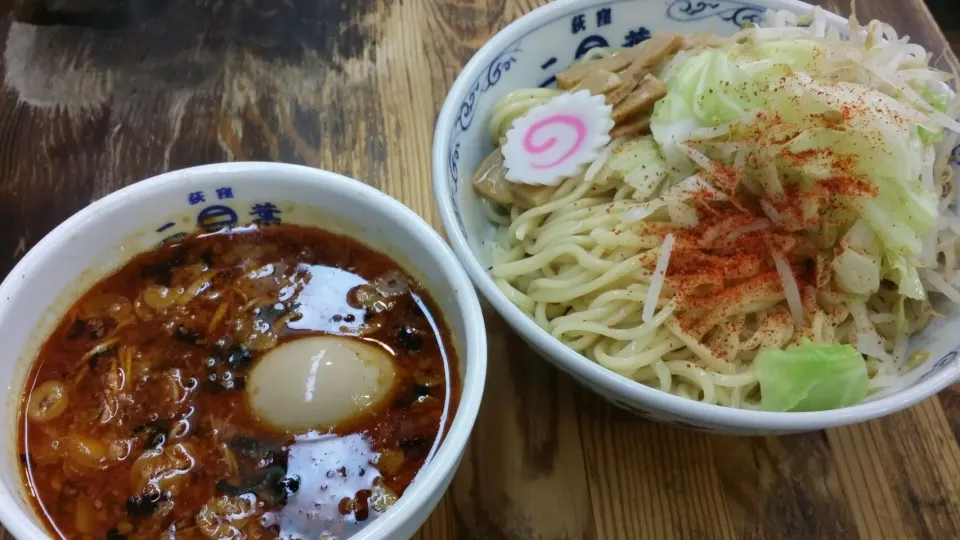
<point x="432" y="479"/>
<point x="555" y="351"/>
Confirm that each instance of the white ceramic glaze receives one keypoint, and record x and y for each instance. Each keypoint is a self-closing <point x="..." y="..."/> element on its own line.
<point x="111" y="230"/>
<point x="528" y="53"/>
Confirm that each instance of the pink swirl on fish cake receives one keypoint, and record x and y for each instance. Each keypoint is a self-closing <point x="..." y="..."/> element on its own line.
<point x="557" y="139"/>
<point x="536" y="150"/>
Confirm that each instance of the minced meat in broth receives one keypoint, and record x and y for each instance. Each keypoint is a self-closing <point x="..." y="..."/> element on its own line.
<point x="136" y="424"/>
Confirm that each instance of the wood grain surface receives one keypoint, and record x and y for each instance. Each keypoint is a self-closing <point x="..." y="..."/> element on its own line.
<point x="101" y="93"/>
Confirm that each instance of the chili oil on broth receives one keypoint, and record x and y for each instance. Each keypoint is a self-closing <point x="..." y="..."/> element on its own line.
<point x="142" y="420"/>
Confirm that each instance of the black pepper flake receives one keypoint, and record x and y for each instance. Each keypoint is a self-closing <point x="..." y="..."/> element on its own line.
<point x="189" y="336"/>
<point x="162" y="271"/>
<point x="156" y="434"/>
<point x="292" y="484"/>
<point x="143" y="506"/>
<point x="269" y="485"/>
<point x="414" y="443"/>
<point x="238" y="356"/>
<point x="409" y="339"/>
<point x="76" y="330"/>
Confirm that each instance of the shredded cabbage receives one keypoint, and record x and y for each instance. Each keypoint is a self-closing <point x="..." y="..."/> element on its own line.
<point x="784" y="90"/>
<point x="638" y="163"/>
<point x="857" y="267"/>
<point x="939" y="98"/>
<point x="811" y="377"/>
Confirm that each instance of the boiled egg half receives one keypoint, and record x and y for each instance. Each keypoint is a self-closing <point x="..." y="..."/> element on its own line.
<point x="319" y="381"/>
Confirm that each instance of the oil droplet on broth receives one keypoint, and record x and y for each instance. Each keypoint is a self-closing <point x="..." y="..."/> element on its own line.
<point x="336" y="474"/>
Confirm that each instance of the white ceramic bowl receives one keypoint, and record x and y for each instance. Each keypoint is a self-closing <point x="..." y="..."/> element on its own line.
<point x="528" y="53"/>
<point x="108" y="232"/>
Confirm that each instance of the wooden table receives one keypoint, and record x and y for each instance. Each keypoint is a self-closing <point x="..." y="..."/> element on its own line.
<point x="113" y="92"/>
<point x="949" y="20"/>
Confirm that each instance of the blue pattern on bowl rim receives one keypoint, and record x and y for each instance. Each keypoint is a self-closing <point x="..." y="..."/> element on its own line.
<point x="731" y="11"/>
<point x="735" y="12"/>
<point x="218" y="208"/>
<point x="738" y="13"/>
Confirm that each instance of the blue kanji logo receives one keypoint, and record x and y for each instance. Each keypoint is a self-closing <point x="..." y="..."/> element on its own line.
<point x="224" y="193"/>
<point x="635" y="37"/>
<point x="590" y="42"/>
<point x="578" y="23"/>
<point x="196" y="197"/>
<point x="604" y="16"/>
<point x="265" y="213"/>
<point x="216" y="217"/>
<point x="546" y="65"/>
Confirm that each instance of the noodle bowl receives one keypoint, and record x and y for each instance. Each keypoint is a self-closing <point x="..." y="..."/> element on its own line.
<point x="588" y="264"/>
<point x="680" y="283"/>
